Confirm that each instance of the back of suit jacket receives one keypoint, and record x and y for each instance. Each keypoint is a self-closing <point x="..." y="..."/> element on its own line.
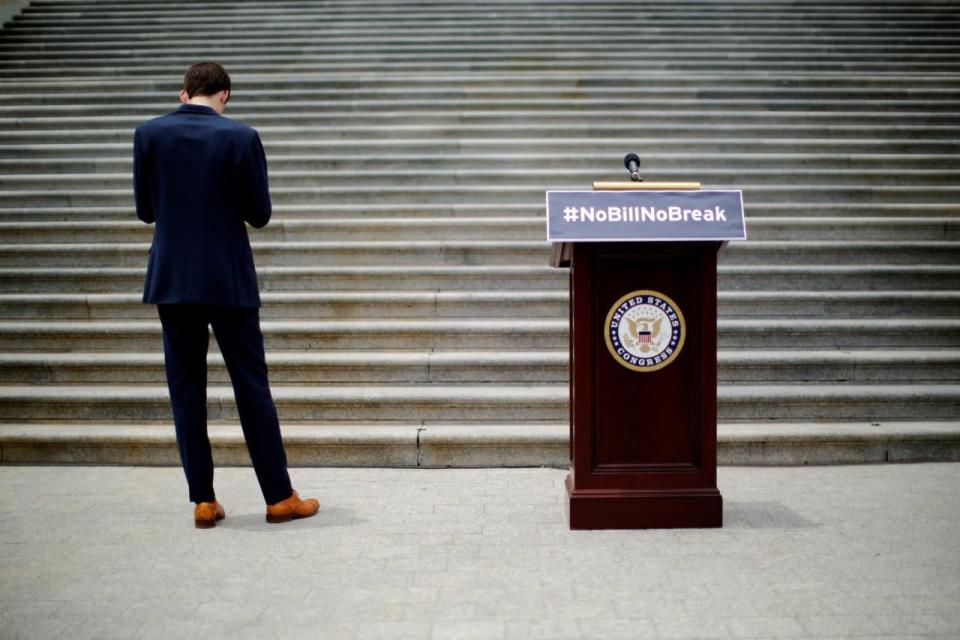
<point x="200" y="176"/>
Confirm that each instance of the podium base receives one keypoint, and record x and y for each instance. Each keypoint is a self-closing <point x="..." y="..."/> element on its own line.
<point x="647" y="509"/>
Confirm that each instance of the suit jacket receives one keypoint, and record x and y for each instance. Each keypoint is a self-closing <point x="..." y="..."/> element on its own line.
<point x="200" y="176"/>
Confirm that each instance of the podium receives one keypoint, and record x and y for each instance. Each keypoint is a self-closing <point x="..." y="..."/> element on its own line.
<point x="643" y="355"/>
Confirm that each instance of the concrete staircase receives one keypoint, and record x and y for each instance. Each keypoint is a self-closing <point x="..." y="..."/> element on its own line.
<point x="409" y="313"/>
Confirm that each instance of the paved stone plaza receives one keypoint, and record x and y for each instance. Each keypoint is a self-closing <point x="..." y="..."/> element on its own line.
<point x="111" y="552"/>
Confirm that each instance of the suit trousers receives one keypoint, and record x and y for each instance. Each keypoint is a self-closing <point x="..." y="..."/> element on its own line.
<point x="185" y="342"/>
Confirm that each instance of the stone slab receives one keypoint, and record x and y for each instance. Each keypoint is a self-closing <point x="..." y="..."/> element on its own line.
<point x="474" y="445"/>
<point x="111" y="552"/>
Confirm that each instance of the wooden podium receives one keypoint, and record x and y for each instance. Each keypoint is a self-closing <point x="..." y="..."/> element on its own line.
<point x="642" y="426"/>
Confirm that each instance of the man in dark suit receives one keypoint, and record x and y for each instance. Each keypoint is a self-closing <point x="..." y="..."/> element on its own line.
<point x="201" y="177"/>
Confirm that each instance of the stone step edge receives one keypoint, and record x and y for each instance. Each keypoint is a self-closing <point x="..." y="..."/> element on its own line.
<point x="479" y="356"/>
<point x="534" y="157"/>
<point x="468" y="145"/>
<point x="281" y="212"/>
<point x="454" y="394"/>
<point x="280" y="327"/>
<point x="523" y="221"/>
<point x="528" y="245"/>
<point x="123" y="19"/>
<point x="475" y="445"/>
<point x="525" y="80"/>
<point x="461" y="270"/>
<point x="502" y="298"/>
<point x="436" y="131"/>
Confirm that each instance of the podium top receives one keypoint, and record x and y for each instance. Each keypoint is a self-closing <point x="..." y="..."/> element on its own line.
<point x="646" y="186"/>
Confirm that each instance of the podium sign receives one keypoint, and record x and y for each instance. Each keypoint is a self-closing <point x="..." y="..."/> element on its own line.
<point x="622" y="216"/>
<point x="643" y="354"/>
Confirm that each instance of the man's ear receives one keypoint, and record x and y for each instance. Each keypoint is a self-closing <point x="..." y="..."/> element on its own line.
<point x="225" y="97"/>
<point x="183" y="96"/>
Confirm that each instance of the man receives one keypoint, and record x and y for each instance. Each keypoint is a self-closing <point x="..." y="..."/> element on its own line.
<point x="200" y="176"/>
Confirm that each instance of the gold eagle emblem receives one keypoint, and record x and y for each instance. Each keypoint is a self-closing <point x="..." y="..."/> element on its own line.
<point x="642" y="335"/>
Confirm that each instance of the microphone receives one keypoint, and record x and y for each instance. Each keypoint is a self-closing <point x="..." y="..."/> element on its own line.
<point x="632" y="162"/>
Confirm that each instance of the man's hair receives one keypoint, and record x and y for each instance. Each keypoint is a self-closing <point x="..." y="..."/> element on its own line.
<point x="205" y="79"/>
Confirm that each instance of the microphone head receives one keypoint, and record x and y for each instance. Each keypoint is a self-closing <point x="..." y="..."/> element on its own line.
<point x="629" y="159"/>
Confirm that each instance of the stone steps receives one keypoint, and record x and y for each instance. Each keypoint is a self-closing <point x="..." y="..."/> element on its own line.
<point x="471" y="445"/>
<point x="492" y="304"/>
<point x="388" y="35"/>
<point x="482" y="228"/>
<point x="471" y="403"/>
<point x="455" y="278"/>
<point x="290" y="181"/>
<point x="504" y="194"/>
<point x="610" y="14"/>
<point x="366" y="278"/>
<point x="522" y="82"/>
<point x="122" y="214"/>
<point x="337" y="9"/>
<point x="146" y="104"/>
<point x="309" y="120"/>
<point x="745" y="132"/>
<point x="768" y="93"/>
<point x="695" y="148"/>
<point x="903" y="366"/>
<point x="920" y="64"/>
<point x="304" y="305"/>
<point x="491" y="253"/>
<point x="293" y="163"/>
<point x="499" y="334"/>
<point x="801" y="61"/>
<point x="388" y="31"/>
<point x="541" y="82"/>
<point x="410" y="317"/>
<point x="511" y="14"/>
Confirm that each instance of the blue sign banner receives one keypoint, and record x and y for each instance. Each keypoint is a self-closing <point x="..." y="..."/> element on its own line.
<point x="637" y="216"/>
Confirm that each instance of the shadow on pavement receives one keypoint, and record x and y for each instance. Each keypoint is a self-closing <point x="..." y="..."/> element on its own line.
<point x="328" y="517"/>
<point x="763" y="515"/>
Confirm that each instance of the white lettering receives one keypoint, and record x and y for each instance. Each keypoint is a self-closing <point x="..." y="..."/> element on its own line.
<point x="587" y="214"/>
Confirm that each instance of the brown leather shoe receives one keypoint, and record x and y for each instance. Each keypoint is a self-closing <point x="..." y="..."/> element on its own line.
<point x="206" y="514"/>
<point x="292" y="507"/>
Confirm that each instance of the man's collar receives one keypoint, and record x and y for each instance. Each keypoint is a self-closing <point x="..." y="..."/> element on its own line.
<point x="197" y="108"/>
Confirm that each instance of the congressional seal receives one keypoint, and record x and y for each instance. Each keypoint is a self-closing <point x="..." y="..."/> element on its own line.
<point x="645" y="330"/>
